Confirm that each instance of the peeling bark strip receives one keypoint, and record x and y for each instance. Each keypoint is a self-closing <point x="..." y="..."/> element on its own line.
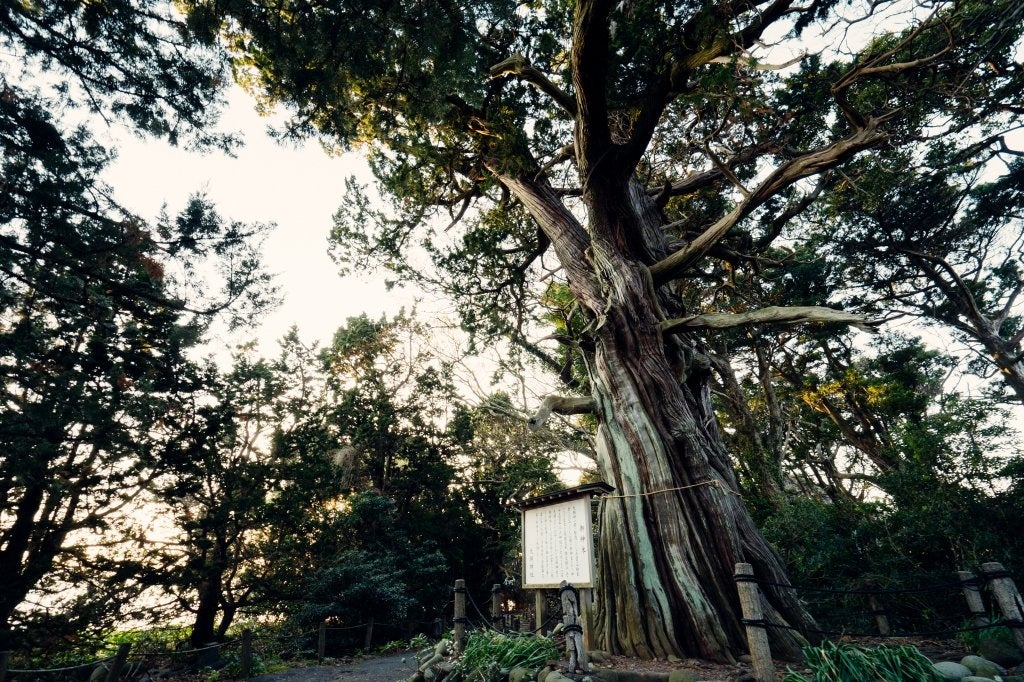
<point x="769" y="315"/>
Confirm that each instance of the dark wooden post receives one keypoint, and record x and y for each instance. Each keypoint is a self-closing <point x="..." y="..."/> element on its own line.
<point x="972" y="593"/>
<point x="586" y="597"/>
<point x="460" y="615"/>
<point x="368" y="642"/>
<point x="881" y="619"/>
<point x="757" y="636"/>
<point x="1006" y="595"/>
<point x="114" y="673"/>
<point x="496" y="610"/>
<point x="539" y="605"/>
<point x="321" y="641"/>
<point x="245" y="657"/>
<point x="5" y="657"/>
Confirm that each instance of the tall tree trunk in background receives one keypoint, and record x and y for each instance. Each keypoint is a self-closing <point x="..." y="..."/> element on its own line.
<point x="675" y="526"/>
<point x="211" y="582"/>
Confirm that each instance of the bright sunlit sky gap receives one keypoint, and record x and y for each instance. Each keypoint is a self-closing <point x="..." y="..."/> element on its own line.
<point x="298" y="187"/>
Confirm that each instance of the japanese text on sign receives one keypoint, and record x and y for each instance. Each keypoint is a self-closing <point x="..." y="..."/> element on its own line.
<point x="558" y="544"/>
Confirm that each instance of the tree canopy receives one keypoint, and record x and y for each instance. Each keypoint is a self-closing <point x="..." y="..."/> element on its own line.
<point x="642" y="155"/>
<point x="679" y="208"/>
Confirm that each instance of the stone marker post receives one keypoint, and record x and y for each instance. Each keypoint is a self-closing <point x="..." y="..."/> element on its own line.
<point x="573" y="629"/>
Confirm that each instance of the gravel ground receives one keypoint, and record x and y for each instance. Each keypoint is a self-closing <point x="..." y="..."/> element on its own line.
<point x="383" y="669"/>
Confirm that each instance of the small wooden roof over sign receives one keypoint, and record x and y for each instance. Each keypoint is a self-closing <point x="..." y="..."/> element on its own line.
<point x="599" y="488"/>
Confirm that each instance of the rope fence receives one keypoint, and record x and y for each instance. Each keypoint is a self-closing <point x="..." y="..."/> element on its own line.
<point x="994" y="579"/>
<point x="243" y="653"/>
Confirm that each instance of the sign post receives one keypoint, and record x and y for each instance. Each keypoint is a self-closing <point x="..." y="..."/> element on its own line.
<point x="558" y="545"/>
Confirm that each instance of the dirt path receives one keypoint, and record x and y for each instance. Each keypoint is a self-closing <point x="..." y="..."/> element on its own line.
<point x="383" y="669"/>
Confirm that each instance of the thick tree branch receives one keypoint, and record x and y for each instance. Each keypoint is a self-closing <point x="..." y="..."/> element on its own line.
<point x="560" y="405"/>
<point x="700" y="48"/>
<point x="589" y="61"/>
<point x="808" y="164"/>
<point x="519" y="66"/>
<point x="769" y="315"/>
<point x="568" y="237"/>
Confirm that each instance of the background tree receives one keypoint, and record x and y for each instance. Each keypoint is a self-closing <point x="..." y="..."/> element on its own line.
<point x="504" y="464"/>
<point x="220" y="498"/>
<point x="621" y="149"/>
<point x="941" y="244"/>
<point x="98" y="310"/>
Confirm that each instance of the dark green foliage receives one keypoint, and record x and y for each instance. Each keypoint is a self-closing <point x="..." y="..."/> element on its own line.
<point x="488" y="656"/>
<point x="93" y="348"/>
<point x="833" y="662"/>
<point x="133" y="59"/>
<point x="100" y="308"/>
<point x="377" y="572"/>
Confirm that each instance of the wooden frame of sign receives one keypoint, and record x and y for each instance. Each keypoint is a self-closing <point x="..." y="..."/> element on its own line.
<point x="558" y="542"/>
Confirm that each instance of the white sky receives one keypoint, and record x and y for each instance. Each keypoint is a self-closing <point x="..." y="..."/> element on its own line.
<point x="299" y="189"/>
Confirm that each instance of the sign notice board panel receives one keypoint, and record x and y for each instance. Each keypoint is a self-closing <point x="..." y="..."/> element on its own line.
<point x="558" y="544"/>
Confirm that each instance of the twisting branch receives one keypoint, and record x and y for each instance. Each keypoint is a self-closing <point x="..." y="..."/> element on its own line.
<point x="769" y="315"/>
<point x="874" y="67"/>
<point x="560" y="405"/>
<point x="519" y="66"/>
<point x="805" y="165"/>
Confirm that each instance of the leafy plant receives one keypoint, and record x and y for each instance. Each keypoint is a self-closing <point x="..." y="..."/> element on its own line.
<point x="971" y="639"/>
<point x="487" y="654"/>
<point x="833" y="662"/>
<point x="393" y="646"/>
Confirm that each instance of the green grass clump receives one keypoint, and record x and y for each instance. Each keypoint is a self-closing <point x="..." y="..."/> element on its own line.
<point x="487" y="654"/>
<point x="833" y="662"/>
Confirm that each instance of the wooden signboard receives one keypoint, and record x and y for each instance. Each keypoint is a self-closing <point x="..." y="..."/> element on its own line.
<point x="558" y="539"/>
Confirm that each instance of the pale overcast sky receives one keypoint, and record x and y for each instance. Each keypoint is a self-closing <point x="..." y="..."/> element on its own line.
<point x="298" y="189"/>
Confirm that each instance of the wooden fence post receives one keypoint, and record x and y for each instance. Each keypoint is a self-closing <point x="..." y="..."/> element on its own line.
<point x="368" y="642"/>
<point x="114" y="673"/>
<point x="539" y="605"/>
<point x="586" y="596"/>
<point x="757" y="635"/>
<point x="496" y="610"/>
<point x="321" y="641"/>
<point x="972" y="593"/>
<point x="881" y="619"/>
<point x="245" y="657"/>
<point x="5" y="657"/>
<point x="1007" y="597"/>
<point x="460" y="616"/>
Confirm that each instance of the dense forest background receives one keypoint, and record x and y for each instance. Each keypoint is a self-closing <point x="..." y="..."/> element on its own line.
<point x="143" y="481"/>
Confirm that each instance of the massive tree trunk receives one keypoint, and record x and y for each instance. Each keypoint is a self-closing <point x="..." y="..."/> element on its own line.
<point x="675" y="526"/>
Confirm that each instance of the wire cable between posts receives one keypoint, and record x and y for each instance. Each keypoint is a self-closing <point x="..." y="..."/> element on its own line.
<point x="747" y="578"/>
<point x="974" y="583"/>
<point x="766" y="624"/>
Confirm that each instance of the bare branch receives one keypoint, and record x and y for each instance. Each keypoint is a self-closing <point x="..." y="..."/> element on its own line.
<point x="560" y="405"/>
<point x="751" y="64"/>
<point x="769" y="315"/>
<point x="805" y="165"/>
<point x="519" y="66"/>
